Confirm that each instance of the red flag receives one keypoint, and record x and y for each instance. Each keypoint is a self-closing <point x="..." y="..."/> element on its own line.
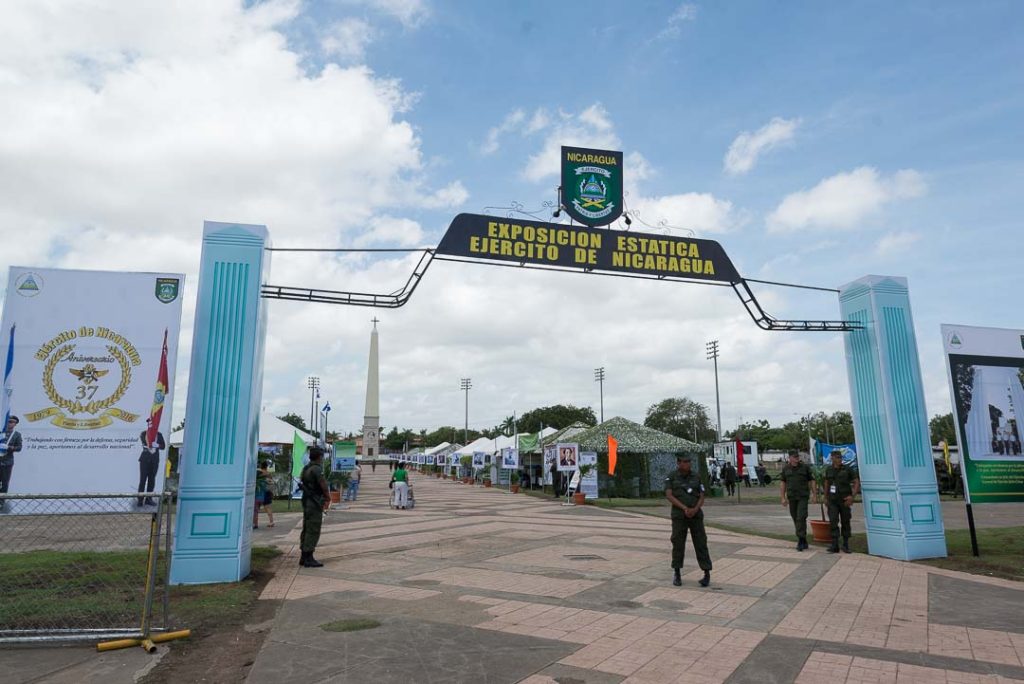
<point x="158" y="397"/>
<point x="613" y="454"/>
<point x="739" y="457"/>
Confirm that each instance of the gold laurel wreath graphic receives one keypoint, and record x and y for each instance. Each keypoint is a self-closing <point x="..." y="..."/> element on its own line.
<point x="93" y="407"/>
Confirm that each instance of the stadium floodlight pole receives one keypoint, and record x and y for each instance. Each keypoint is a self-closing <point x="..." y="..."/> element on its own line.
<point x="599" y="378"/>
<point x="466" y="385"/>
<point x="712" y="350"/>
<point x="314" y="385"/>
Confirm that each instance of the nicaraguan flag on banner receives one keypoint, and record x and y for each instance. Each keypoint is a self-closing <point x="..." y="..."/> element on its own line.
<point x="8" y="368"/>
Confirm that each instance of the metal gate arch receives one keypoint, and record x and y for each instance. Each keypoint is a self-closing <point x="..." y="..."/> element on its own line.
<point x="217" y="469"/>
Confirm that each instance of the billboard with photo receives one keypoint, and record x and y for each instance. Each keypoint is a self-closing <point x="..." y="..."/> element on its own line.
<point x="568" y="456"/>
<point x="479" y="459"/>
<point x="90" y="360"/>
<point x="509" y="458"/>
<point x="985" y="368"/>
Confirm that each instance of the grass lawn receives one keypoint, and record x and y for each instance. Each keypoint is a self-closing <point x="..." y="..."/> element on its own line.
<point x="1001" y="548"/>
<point x="106" y="589"/>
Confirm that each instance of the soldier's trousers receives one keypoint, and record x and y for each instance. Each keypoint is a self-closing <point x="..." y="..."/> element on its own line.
<point x="798" y="512"/>
<point x="312" y="518"/>
<point x="838" y="512"/>
<point x="148" y="466"/>
<point x="695" y="527"/>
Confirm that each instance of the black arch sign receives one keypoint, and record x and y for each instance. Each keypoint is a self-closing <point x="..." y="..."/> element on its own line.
<point x="475" y="236"/>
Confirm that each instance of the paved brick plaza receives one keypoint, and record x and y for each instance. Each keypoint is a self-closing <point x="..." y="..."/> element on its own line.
<point x="477" y="585"/>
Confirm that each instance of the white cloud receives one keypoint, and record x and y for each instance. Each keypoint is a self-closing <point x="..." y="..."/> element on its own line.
<point x="450" y="196"/>
<point x="748" y="146"/>
<point x="697" y="211"/>
<point x="590" y="128"/>
<point x="686" y="12"/>
<point x="388" y="231"/>
<point x="845" y="200"/>
<point x="348" y="39"/>
<point x="411" y="13"/>
<point x="512" y="121"/>
<point x="895" y="244"/>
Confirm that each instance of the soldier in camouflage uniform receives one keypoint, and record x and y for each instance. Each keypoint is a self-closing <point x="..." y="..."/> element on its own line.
<point x="316" y="498"/>
<point x="842" y="483"/>
<point x="685" y="492"/>
<point x="797" y="486"/>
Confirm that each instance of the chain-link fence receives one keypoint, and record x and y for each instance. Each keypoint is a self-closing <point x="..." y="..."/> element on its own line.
<point x="83" y="566"/>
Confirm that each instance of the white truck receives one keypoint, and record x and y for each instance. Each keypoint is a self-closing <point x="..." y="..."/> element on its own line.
<point x="725" y="452"/>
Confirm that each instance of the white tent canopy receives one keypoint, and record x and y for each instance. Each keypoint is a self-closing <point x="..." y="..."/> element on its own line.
<point x="493" y="446"/>
<point x="273" y="430"/>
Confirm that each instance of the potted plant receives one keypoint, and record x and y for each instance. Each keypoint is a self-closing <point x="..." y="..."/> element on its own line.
<point x="579" y="498"/>
<point x="486" y="478"/>
<point x="466" y="461"/>
<point x="820" y="529"/>
<point x="337" y="480"/>
<point x="513" y="481"/>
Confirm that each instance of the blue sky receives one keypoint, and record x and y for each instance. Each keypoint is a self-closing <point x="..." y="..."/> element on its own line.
<point x="865" y="137"/>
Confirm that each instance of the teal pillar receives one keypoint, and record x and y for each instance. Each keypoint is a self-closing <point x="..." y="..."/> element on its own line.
<point x="217" y="466"/>
<point x="901" y="499"/>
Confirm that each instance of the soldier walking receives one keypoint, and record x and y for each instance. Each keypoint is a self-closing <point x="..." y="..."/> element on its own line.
<point x="795" y="490"/>
<point x="685" y="492"/>
<point x="842" y="483"/>
<point x="316" y="498"/>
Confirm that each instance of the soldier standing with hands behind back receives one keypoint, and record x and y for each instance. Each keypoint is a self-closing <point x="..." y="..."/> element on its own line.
<point x="796" y="477"/>
<point x="316" y="498"/>
<point x="685" y="492"/>
<point x="842" y="483"/>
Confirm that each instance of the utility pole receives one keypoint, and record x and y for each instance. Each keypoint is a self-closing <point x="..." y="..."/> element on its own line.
<point x="466" y="385"/>
<point x="599" y="378"/>
<point x="314" y="387"/>
<point x="712" y="350"/>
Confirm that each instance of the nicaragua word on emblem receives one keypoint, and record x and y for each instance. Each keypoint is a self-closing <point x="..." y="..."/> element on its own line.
<point x="592" y="185"/>
<point x="77" y="383"/>
<point x="167" y="290"/>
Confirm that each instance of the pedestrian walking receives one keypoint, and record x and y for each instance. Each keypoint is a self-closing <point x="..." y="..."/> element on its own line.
<point x="264" y="498"/>
<point x="352" y="491"/>
<point x="316" y="498"/>
<point x="10" y="444"/>
<point x="685" y="492"/>
<point x="842" y="483"/>
<point x="796" y="489"/>
<point x="373" y="466"/>
<point x="729" y="478"/>
<point x="400" y="481"/>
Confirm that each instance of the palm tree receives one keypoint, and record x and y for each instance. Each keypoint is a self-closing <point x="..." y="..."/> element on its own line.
<point x="508" y="426"/>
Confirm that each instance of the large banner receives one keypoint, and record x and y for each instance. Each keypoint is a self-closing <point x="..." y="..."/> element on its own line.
<point x="986" y="379"/>
<point x="90" y="359"/>
<point x="475" y="236"/>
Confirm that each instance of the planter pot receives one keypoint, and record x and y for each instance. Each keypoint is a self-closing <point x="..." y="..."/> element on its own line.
<point x="467" y="480"/>
<point x="515" y="489"/>
<point x="820" y="531"/>
<point x="335" y="497"/>
<point x="579" y="498"/>
<point x="487" y="483"/>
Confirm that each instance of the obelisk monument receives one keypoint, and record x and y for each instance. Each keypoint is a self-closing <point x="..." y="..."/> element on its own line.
<point x="371" y="417"/>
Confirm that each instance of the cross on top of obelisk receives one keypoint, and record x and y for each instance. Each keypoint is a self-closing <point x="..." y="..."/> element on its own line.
<point x="375" y="321"/>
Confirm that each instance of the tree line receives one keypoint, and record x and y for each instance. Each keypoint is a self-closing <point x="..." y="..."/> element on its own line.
<point x="679" y="416"/>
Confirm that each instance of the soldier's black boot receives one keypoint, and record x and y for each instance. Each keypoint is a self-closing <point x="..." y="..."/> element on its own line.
<point x="313" y="562"/>
<point x="677" y="581"/>
<point x="834" y="547"/>
<point x="846" y="546"/>
<point x="302" y="560"/>
<point x="706" y="579"/>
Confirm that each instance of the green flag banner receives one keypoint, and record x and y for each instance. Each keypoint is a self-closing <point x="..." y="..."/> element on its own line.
<point x="529" y="442"/>
<point x="298" y="451"/>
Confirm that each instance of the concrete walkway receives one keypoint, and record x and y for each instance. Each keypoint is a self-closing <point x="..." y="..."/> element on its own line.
<point x="478" y="585"/>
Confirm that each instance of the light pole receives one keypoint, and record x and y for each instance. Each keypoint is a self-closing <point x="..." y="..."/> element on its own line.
<point x="314" y="388"/>
<point x="712" y="350"/>
<point x="466" y="385"/>
<point x="599" y="378"/>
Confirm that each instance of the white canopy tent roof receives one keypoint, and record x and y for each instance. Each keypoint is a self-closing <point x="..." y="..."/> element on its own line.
<point x="273" y="430"/>
<point x="492" y="446"/>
